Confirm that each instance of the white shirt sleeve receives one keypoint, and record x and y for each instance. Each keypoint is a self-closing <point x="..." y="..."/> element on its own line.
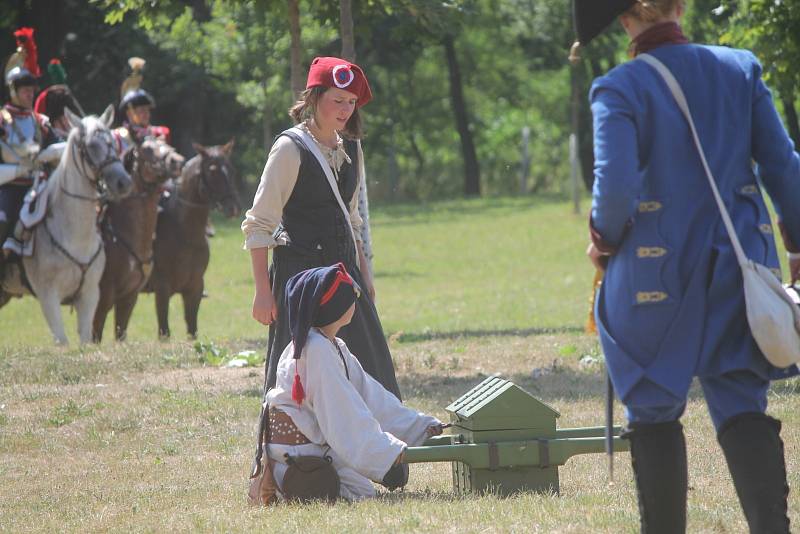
<point x="344" y="417"/>
<point x="274" y="189"/>
<point x="393" y="417"/>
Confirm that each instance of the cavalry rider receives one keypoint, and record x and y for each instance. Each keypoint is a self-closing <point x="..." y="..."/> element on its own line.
<point x="136" y="104"/>
<point x="23" y="134"/>
<point x="56" y="98"/>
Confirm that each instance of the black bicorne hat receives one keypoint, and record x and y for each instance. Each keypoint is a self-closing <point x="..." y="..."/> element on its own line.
<point x="591" y="17"/>
<point x="137" y="97"/>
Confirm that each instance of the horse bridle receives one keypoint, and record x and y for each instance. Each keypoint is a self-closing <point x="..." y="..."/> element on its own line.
<point x="228" y="185"/>
<point x="205" y="189"/>
<point x="159" y="168"/>
<point x="111" y="157"/>
<point x="96" y="168"/>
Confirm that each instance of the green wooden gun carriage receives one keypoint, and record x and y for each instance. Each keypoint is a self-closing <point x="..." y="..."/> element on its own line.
<point x="505" y="440"/>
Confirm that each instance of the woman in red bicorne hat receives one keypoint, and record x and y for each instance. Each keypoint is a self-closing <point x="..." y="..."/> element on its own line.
<point x="306" y="211"/>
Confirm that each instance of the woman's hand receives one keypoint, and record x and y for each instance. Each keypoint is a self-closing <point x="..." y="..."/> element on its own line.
<point x="366" y="272"/>
<point x="598" y="259"/>
<point x="370" y="289"/>
<point x="400" y="458"/>
<point x="794" y="270"/>
<point x="264" y="309"/>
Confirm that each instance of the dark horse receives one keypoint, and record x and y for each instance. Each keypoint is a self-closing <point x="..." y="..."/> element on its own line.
<point x="127" y="228"/>
<point x="181" y="245"/>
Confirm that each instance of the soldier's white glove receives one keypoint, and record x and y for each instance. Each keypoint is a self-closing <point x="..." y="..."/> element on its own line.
<point x="51" y="154"/>
<point x="24" y="168"/>
<point x="10" y="171"/>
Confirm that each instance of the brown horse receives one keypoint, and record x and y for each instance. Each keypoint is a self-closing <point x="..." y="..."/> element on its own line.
<point x="181" y="245"/>
<point x="127" y="228"/>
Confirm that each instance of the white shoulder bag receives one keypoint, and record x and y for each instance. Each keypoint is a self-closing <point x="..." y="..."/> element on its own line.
<point x="773" y="317"/>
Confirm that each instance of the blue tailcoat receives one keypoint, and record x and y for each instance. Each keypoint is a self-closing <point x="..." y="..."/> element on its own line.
<point x="672" y="305"/>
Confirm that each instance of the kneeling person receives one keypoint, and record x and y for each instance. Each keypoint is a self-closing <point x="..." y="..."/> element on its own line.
<point x="325" y="404"/>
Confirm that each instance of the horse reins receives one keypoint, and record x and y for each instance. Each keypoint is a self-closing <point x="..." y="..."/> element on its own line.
<point x="217" y="202"/>
<point x="110" y="159"/>
<point x="143" y="265"/>
<point x="83" y="266"/>
<point x="83" y="152"/>
<point x="148" y="188"/>
<point x="159" y="168"/>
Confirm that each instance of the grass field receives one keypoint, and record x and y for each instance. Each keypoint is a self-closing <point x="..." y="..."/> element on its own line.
<point x="148" y="436"/>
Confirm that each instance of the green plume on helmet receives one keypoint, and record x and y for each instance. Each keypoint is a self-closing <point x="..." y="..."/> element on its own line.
<point x="56" y="72"/>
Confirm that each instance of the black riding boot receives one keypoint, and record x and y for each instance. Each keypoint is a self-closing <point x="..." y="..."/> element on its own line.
<point x="4" y="233"/>
<point x="754" y="452"/>
<point x="658" y="456"/>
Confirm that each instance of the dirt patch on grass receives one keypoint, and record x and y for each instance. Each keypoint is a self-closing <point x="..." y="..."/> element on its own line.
<point x="209" y="379"/>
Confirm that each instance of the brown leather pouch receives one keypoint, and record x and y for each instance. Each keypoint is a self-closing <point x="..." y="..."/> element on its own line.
<point x="310" y="478"/>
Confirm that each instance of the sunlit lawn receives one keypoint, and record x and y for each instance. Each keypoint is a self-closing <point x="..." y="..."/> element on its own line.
<point x="143" y="436"/>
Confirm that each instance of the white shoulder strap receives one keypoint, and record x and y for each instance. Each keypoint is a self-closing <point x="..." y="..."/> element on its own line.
<point x="312" y="146"/>
<point x="680" y="98"/>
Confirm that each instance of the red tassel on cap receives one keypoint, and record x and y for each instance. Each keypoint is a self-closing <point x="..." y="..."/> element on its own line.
<point x="298" y="394"/>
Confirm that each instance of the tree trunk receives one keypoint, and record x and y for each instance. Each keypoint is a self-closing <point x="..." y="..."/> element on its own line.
<point x="295" y="61"/>
<point x="472" y="173"/>
<point x="525" y="160"/>
<point x="790" y="112"/>
<point x="349" y="53"/>
<point x="266" y="124"/>
<point x="581" y="78"/>
<point x="346" y="25"/>
<point x="201" y="12"/>
<point x="266" y="108"/>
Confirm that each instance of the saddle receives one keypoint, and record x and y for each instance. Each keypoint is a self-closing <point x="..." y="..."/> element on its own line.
<point x="32" y="213"/>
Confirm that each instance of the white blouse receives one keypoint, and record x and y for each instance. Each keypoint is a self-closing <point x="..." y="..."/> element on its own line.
<point x="276" y="186"/>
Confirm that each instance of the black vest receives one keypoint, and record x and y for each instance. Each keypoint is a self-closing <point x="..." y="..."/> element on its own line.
<point x="312" y="219"/>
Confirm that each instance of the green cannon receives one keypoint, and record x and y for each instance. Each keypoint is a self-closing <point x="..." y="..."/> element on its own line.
<point x="505" y="440"/>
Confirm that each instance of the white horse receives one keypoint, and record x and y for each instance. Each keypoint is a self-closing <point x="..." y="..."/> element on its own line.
<point x="68" y="257"/>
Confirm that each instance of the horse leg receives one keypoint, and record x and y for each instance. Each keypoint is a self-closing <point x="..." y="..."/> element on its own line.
<point x="122" y="314"/>
<point x="4" y="296"/>
<point x="104" y="306"/>
<point x="50" y="302"/>
<point x="191" y="307"/>
<point x="85" y="305"/>
<point x="162" y="311"/>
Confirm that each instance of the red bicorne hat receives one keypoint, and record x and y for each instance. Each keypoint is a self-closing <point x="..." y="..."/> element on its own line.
<point x="340" y="73"/>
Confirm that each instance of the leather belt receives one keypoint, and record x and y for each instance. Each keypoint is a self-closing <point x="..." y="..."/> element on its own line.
<point x="283" y="431"/>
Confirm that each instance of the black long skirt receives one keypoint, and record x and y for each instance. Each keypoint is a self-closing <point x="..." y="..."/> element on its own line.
<point x="364" y="335"/>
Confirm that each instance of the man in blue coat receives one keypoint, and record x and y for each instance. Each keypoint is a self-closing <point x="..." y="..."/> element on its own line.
<point x="671" y="306"/>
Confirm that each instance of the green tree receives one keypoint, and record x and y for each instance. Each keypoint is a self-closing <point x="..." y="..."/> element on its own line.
<point x="771" y="29"/>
